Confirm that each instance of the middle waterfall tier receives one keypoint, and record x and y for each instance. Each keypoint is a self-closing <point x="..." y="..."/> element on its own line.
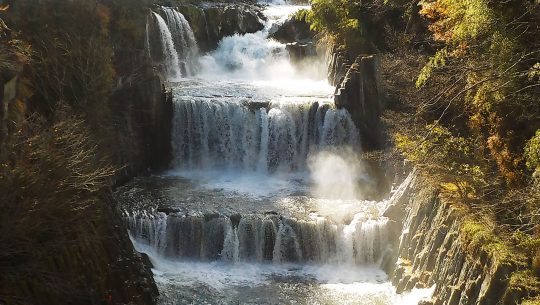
<point x="262" y="238"/>
<point x="213" y="133"/>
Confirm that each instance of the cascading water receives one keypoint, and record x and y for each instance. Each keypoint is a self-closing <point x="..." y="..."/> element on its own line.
<point x="184" y="40"/>
<point x="261" y="205"/>
<point x="262" y="238"/>
<point x="211" y="132"/>
<point x="179" y="51"/>
<point x="171" y="63"/>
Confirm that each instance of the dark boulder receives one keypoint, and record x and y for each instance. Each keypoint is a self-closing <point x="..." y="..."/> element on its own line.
<point x="298" y="51"/>
<point x="293" y="30"/>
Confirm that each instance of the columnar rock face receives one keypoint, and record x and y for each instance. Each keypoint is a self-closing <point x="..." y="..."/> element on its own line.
<point x="338" y="65"/>
<point x="359" y="92"/>
<point x="210" y="23"/>
<point x="144" y="112"/>
<point x="432" y="251"/>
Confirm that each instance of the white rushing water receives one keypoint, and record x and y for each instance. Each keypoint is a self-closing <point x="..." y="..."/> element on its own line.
<point x="179" y="50"/>
<point x="172" y="63"/>
<point x="199" y="282"/>
<point x="223" y="133"/>
<point x="255" y="58"/>
<point x="262" y="238"/>
<point x="251" y="110"/>
<point x="263" y="201"/>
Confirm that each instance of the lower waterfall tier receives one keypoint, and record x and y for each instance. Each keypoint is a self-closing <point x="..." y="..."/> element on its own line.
<point x="262" y="238"/>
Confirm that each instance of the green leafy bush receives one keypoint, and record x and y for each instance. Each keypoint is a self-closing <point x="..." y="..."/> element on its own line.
<point x="337" y="19"/>
<point x="444" y="158"/>
<point x="532" y="152"/>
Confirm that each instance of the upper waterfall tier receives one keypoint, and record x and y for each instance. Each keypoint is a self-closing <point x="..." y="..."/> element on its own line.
<point x="256" y="57"/>
<point x="244" y="55"/>
<point x="177" y="54"/>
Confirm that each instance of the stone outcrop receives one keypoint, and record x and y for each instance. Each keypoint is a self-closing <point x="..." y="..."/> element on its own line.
<point x="293" y="30"/>
<point x="299" y="51"/>
<point x="432" y="250"/>
<point x="360" y="93"/>
<point x="297" y="36"/>
<point x="211" y="22"/>
<point x="338" y="64"/>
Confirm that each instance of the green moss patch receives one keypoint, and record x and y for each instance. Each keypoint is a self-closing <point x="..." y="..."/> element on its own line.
<point x="481" y="236"/>
<point x="525" y="281"/>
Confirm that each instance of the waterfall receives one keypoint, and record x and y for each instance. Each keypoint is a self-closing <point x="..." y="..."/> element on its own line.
<point x="231" y="244"/>
<point x="184" y="40"/>
<point x="171" y="66"/>
<point x="287" y="247"/>
<point x="255" y="238"/>
<point x="253" y="131"/>
<point x="178" y="53"/>
<point x="212" y="133"/>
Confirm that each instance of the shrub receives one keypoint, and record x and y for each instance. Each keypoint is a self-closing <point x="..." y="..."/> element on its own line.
<point x="50" y="182"/>
<point x="532" y="152"/>
<point x="444" y="158"/>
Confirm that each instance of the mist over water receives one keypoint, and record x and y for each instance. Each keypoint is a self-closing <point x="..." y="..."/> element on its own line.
<point x="337" y="174"/>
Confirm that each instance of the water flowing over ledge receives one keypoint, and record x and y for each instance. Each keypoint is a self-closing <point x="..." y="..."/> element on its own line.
<point x="224" y="133"/>
<point x="262" y="238"/>
<point x="209" y="257"/>
<point x="178" y="51"/>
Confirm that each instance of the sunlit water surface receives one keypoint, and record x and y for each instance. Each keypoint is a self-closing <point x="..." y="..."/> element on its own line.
<point x="192" y="282"/>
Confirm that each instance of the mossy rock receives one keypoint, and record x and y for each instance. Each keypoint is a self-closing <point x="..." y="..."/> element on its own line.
<point x="479" y="237"/>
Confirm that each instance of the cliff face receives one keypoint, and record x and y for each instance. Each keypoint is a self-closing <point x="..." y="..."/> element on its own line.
<point x="359" y="90"/>
<point x="54" y="251"/>
<point x="88" y="264"/>
<point x="434" y="250"/>
<point x="142" y="113"/>
<point x="360" y="93"/>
